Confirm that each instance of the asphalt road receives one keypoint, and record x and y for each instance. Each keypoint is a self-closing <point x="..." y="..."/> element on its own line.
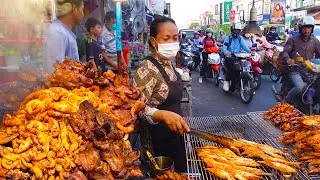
<point x="209" y="100"/>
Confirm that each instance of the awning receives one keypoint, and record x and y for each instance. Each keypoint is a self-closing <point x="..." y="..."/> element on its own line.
<point x="307" y="8"/>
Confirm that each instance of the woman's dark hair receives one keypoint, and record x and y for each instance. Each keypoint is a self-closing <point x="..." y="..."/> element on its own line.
<point x="155" y="25"/>
<point x="91" y="23"/>
<point x="110" y="15"/>
<point x="78" y="3"/>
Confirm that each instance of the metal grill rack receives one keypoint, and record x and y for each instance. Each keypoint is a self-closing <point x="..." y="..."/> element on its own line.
<point x="239" y="126"/>
<point x="269" y="128"/>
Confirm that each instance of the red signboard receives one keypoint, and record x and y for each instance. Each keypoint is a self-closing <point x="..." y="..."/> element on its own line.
<point x="232" y="16"/>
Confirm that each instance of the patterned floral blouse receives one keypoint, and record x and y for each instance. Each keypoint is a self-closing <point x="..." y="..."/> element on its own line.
<point x="149" y="79"/>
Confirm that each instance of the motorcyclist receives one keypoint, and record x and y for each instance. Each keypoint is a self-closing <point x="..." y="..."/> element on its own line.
<point x="196" y="39"/>
<point x="294" y="31"/>
<point x="196" y="50"/>
<point x="201" y="35"/>
<point x="221" y="37"/>
<point x="208" y="44"/>
<point x="184" y="39"/>
<point x="272" y="35"/>
<point x="249" y="39"/>
<point x="306" y="46"/>
<point x="233" y="44"/>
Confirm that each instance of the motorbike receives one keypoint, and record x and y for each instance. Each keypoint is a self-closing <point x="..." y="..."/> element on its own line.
<point x="187" y="57"/>
<point x="256" y="64"/>
<point x="269" y="65"/>
<point x="197" y="50"/>
<point x="214" y="63"/>
<point x="305" y="101"/>
<point x="244" y="82"/>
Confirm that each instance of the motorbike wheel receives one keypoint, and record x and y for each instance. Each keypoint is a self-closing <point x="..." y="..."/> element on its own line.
<point x="257" y="81"/>
<point x="274" y="74"/>
<point x="216" y="77"/>
<point x="247" y="92"/>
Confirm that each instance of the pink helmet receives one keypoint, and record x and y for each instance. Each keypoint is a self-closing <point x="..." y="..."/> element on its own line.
<point x="196" y="33"/>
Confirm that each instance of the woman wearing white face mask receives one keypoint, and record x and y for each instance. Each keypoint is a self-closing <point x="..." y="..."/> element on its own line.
<point x="162" y="86"/>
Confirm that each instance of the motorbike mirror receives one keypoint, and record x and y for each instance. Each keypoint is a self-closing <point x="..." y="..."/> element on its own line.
<point x="226" y="44"/>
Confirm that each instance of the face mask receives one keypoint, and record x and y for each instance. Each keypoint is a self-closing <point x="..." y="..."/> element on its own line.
<point x="247" y="35"/>
<point x="168" y="50"/>
<point x="209" y="34"/>
<point x="273" y="31"/>
<point x="113" y="27"/>
<point x="235" y="35"/>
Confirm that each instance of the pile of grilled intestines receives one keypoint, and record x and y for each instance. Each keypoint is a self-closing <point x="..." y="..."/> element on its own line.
<point x="74" y="132"/>
<point x="303" y="133"/>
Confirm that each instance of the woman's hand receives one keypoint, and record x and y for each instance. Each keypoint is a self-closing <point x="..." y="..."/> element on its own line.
<point x="174" y="121"/>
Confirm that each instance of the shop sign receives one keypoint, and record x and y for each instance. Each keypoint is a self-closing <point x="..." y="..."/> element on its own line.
<point x="226" y="11"/>
<point x="232" y="16"/>
<point x="266" y="10"/>
<point x="278" y="8"/>
<point x="307" y="3"/>
<point x="266" y="6"/>
<point x="288" y="22"/>
<point x="221" y="18"/>
<point x="299" y="14"/>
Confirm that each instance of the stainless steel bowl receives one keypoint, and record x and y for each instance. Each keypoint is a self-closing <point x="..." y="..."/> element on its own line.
<point x="164" y="163"/>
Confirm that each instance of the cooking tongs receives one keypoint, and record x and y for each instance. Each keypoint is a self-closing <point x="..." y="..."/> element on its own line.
<point x="202" y="134"/>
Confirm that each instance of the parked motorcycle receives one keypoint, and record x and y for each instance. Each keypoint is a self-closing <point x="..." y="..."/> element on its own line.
<point x="244" y="82"/>
<point x="187" y="57"/>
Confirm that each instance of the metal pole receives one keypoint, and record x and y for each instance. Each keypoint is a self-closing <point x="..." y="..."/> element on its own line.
<point x="118" y="36"/>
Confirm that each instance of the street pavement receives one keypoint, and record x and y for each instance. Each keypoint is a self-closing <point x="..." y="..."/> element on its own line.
<point x="209" y="100"/>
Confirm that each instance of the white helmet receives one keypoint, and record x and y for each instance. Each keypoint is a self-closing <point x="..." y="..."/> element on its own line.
<point x="306" y="21"/>
<point x="236" y="26"/>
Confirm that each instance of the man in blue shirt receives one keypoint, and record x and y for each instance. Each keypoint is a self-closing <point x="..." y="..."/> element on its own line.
<point x="60" y="41"/>
<point x="235" y="43"/>
<point x="295" y="31"/>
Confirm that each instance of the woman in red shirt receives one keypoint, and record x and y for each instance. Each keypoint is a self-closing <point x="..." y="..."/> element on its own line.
<point x="208" y="44"/>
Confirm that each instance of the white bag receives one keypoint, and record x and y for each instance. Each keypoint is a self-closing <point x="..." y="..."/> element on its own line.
<point x="213" y="58"/>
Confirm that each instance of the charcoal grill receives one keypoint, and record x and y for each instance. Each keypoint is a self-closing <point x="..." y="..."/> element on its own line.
<point x="237" y="126"/>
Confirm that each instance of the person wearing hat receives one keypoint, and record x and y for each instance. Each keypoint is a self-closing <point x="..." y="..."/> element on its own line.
<point x="272" y="35"/>
<point x="208" y="43"/>
<point x="201" y="35"/>
<point x="60" y="41"/>
<point x="184" y="39"/>
<point x="233" y="43"/>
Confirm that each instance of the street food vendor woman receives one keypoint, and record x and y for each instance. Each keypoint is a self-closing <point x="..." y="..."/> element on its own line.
<point x="162" y="86"/>
<point x="60" y="41"/>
